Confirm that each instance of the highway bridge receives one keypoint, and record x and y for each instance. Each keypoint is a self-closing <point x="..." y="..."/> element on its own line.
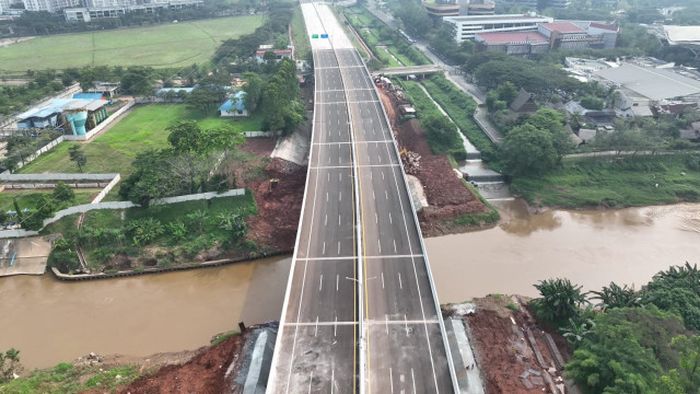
<point x="360" y="313"/>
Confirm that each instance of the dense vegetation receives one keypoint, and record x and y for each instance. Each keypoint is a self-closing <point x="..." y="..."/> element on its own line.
<point x="157" y="236"/>
<point x="631" y="341"/>
<point x="616" y="181"/>
<point x="387" y="45"/>
<point x="440" y="133"/>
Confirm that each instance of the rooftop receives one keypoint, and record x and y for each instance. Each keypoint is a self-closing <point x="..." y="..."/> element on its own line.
<point x="682" y="34"/>
<point x="60" y="105"/>
<point x="498" y="18"/>
<point x="495" y="38"/>
<point x="563" y="27"/>
<point x="652" y="83"/>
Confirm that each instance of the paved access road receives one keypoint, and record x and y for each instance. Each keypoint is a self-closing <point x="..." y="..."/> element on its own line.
<point x="357" y="218"/>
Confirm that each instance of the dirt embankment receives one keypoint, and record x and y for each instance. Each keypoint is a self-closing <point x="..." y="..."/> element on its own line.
<point x="203" y="373"/>
<point x="278" y="191"/>
<point x="448" y="197"/>
<point x="512" y="350"/>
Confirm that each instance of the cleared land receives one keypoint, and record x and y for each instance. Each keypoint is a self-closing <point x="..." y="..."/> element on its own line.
<point x="171" y="45"/>
<point x="144" y="128"/>
<point x="616" y="182"/>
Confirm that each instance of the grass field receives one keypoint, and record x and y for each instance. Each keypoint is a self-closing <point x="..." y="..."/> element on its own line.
<point x="619" y="182"/>
<point x="170" y="45"/>
<point x="30" y="198"/>
<point x="302" y="47"/>
<point x="144" y="128"/>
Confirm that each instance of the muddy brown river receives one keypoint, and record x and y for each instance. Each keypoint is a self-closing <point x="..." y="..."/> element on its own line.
<point x="51" y="321"/>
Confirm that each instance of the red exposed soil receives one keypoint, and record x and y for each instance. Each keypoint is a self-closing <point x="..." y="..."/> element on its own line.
<point x="279" y="205"/>
<point x="445" y="191"/>
<point x="203" y="374"/>
<point x="278" y="188"/>
<point x="504" y="355"/>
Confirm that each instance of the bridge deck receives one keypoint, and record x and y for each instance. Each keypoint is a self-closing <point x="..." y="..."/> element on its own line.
<point x="337" y="298"/>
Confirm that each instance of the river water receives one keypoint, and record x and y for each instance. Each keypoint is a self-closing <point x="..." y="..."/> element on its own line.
<point x="50" y="321"/>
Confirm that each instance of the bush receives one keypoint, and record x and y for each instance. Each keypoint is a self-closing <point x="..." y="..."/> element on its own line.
<point x="144" y="231"/>
<point x="63" y="193"/>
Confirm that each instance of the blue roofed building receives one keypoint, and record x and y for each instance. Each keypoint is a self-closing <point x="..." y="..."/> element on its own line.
<point x="74" y="116"/>
<point x="234" y="106"/>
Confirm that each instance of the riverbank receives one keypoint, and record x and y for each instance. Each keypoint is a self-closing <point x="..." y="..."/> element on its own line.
<point x="614" y="182"/>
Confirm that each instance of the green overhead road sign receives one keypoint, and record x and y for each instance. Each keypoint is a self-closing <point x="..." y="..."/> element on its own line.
<point x="314" y="36"/>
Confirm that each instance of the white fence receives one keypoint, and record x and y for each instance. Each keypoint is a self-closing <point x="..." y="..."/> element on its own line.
<point x="39" y="152"/>
<point x="106" y="190"/>
<point x="102" y="125"/>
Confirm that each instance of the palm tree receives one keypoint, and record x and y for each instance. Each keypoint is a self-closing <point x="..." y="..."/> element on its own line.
<point x="614" y="296"/>
<point x="560" y="300"/>
<point x="575" y="332"/>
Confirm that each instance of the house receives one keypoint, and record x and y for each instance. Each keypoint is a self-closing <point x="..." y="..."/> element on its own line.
<point x="524" y="102"/>
<point x="234" y="106"/>
<point x="107" y="89"/>
<point x="267" y="53"/>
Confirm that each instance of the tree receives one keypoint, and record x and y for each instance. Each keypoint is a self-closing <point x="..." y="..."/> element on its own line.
<point x="63" y="193"/>
<point x="560" y="300"/>
<point x="137" y="81"/>
<point x="685" y="378"/>
<point x="77" y="156"/>
<point x="614" y="296"/>
<point x="553" y="122"/>
<point x="576" y="332"/>
<point x="206" y="99"/>
<point x="627" y="352"/>
<point x="592" y="102"/>
<point x="441" y="133"/>
<point x="280" y="101"/>
<point x="527" y="150"/>
<point x="253" y="88"/>
<point x="676" y="290"/>
<point x="9" y="365"/>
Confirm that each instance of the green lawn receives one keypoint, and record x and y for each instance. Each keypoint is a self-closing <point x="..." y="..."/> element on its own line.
<point x="144" y="128"/>
<point x="302" y="47"/>
<point x="30" y="198"/>
<point x="615" y="182"/>
<point x="168" y="45"/>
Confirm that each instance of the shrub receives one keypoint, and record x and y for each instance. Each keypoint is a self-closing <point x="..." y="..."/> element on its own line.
<point x="63" y="193"/>
<point x="144" y="231"/>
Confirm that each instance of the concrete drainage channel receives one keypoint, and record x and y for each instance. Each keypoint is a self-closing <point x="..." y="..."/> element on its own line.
<point x="490" y="183"/>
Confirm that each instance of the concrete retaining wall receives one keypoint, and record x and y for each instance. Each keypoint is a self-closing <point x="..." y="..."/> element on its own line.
<point x="261" y="134"/>
<point x="156" y="270"/>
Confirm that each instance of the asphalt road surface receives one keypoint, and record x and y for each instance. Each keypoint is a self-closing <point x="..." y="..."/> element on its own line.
<point x="355" y="178"/>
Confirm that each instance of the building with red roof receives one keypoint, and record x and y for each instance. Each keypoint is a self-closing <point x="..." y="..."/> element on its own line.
<point x="565" y="35"/>
<point x="513" y="43"/>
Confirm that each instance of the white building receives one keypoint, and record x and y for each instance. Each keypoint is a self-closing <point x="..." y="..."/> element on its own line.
<point x="466" y="27"/>
<point x="102" y="10"/>
<point x="49" y="5"/>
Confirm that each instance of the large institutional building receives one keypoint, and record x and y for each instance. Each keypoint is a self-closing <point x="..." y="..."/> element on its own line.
<point x="468" y="26"/>
<point x="531" y="34"/>
<point x="100" y="9"/>
<point x="459" y="7"/>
